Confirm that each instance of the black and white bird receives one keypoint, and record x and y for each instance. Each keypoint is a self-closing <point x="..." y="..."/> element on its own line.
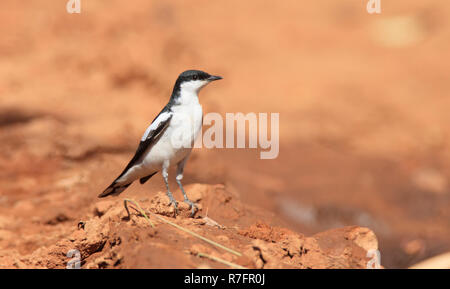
<point x="169" y="139"/>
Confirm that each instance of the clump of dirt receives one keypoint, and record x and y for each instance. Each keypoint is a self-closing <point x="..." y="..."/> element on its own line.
<point x="108" y="237"/>
<point x="280" y="248"/>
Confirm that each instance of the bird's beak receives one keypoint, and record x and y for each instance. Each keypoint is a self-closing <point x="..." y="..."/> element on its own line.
<point x="213" y="77"/>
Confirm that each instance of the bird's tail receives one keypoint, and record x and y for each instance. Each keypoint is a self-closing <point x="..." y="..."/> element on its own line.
<point x="114" y="189"/>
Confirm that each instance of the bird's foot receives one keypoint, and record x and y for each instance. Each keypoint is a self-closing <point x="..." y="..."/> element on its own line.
<point x="192" y="206"/>
<point x="173" y="202"/>
<point x="175" y="206"/>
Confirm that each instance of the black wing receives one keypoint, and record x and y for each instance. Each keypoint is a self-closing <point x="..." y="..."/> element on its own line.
<point x="150" y="137"/>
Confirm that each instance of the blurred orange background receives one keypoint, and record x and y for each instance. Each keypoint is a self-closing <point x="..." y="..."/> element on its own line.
<point x="363" y="101"/>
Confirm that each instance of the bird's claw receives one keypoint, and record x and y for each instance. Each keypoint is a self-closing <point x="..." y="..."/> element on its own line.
<point x="192" y="206"/>
<point x="175" y="206"/>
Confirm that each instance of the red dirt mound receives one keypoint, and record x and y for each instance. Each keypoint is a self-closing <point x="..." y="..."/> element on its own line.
<point x="107" y="237"/>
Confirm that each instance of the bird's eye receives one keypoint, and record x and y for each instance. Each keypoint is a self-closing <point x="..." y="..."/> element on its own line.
<point x="195" y="77"/>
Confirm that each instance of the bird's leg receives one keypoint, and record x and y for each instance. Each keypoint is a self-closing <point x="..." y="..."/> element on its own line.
<point x="165" y="175"/>
<point x="179" y="178"/>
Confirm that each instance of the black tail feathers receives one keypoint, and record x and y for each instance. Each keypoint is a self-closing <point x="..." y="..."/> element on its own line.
<point x="114" y="189"/>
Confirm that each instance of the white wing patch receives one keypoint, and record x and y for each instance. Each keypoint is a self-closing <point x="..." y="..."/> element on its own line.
<point x="161" y="118"/>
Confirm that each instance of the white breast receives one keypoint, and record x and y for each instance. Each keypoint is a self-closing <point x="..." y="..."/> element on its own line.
<point x="178" y="139"/>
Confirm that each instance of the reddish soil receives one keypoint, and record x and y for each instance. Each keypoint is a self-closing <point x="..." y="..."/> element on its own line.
<point x="109" y="237"/>
<point x="364" y="135"/>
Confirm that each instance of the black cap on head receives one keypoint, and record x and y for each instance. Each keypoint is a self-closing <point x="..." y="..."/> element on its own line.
<point x="189" y="75"/>
<point x="192" y="75"/>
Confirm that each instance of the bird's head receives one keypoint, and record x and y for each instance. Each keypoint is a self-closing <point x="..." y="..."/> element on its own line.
<point x="194" y="80"/>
